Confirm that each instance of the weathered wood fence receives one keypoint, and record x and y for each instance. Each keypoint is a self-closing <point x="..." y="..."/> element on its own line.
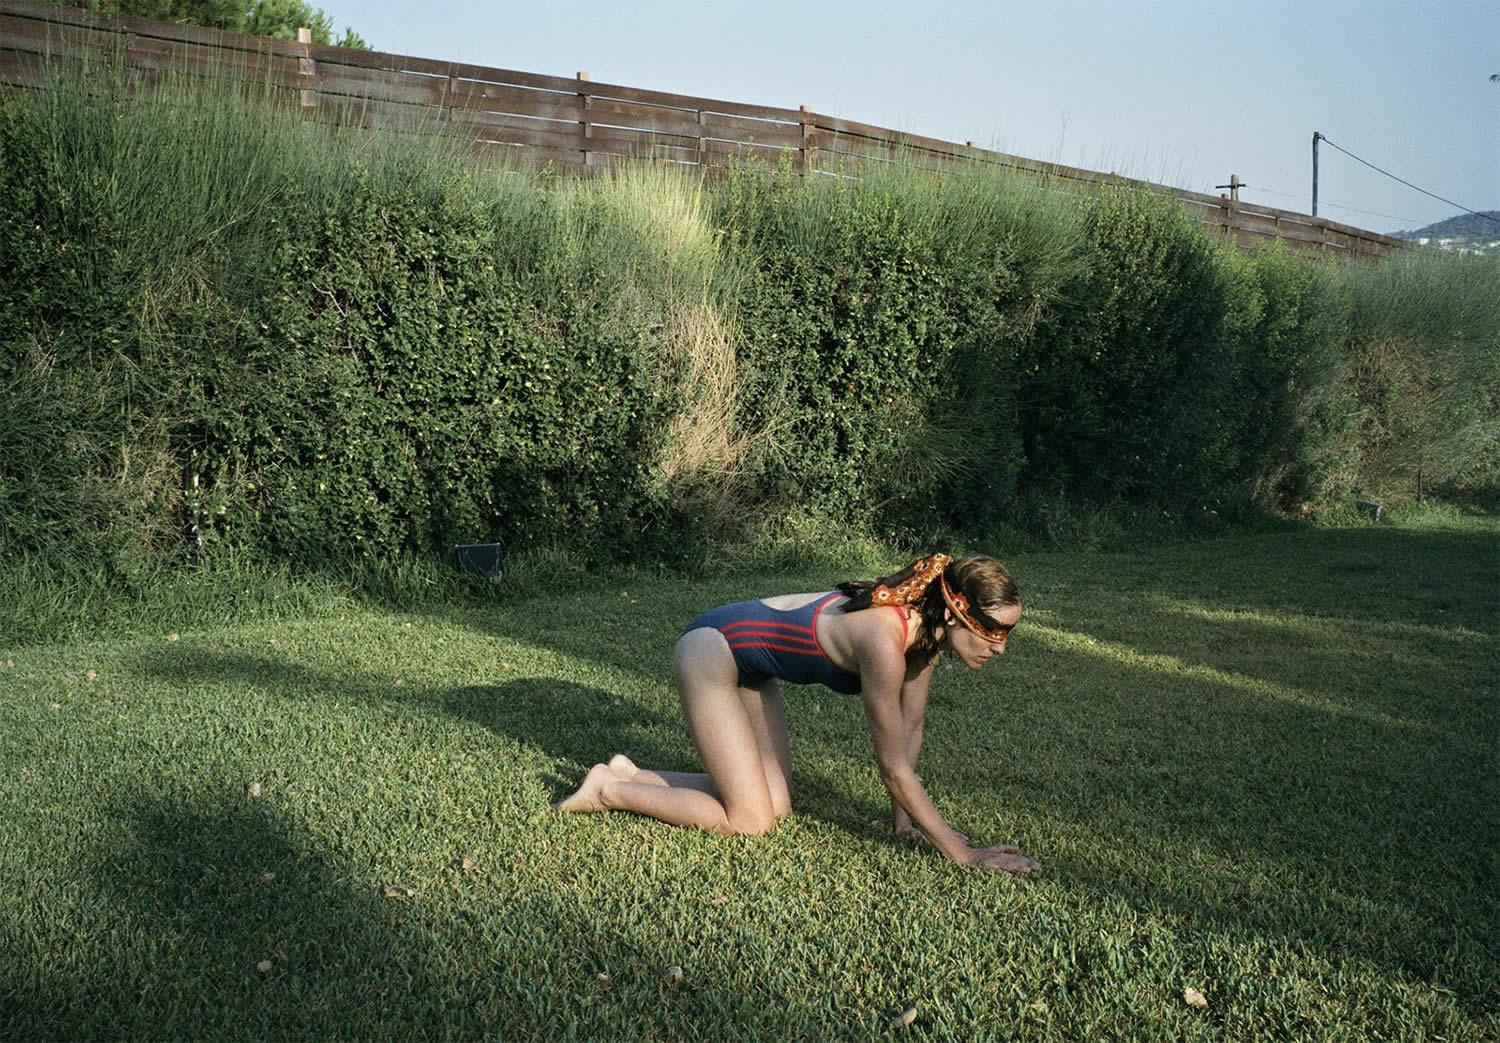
<point x="574" y="124"/>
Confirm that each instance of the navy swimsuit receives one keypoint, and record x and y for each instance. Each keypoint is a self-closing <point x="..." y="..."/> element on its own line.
<point x="769" y="642"/>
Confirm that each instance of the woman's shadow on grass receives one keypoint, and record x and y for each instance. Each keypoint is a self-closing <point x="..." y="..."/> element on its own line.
<point x="574" y="725"/>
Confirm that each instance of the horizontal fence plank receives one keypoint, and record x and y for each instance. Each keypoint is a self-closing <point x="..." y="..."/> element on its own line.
<point x="743" y="128"/>
<point x="489" y="126"/>
<point x="370" y="114"/>
<point x="643" y="117"/>
<point x="752" y="151"/>
<point x="630" y="141"/>
<point x="1256" y="222"/>
<point x="616" y="92"/>
<point x="850" y="129"/>
<point x="194" y="61"/>
<point x="1246" y="239"/>
<point x="22" y="69"/>
<point x="345" y="80"/>
<point x="136" y="52"/>
<point x="381" y="60"/>
<point x="1303" y="235"/>
<point x="837" y="151"/>
<point x="63" y="16"/>
<point x="518" y="101"/>
<point x="28" y="69"/>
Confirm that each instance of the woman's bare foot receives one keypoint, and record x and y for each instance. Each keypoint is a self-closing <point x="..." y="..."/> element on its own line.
<point x="589" y="797"/>
<point x="623" y="767"/>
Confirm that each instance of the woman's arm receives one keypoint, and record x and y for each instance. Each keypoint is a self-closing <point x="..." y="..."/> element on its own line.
<point x="895" y="706"/>
<point x="883" y="672"/>
<point x="913" y="713"/>
<point x="896" y="731"/>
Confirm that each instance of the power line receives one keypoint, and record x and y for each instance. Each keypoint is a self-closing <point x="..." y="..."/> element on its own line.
<point x="1283" y="195"/>
<point x="1408" y="184"/>
<point x="1337" y="206"/>
<point x="1371" y="213"/>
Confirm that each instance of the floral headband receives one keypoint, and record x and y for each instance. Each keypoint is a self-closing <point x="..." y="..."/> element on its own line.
<point x="959" y="605"/>
<point x="923" y="572"/>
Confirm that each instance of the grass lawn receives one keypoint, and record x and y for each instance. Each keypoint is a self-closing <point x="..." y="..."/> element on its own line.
<point x="1263" y="767"/>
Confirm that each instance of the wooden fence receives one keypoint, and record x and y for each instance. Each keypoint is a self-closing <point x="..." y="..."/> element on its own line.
<point x="574" y="124"/>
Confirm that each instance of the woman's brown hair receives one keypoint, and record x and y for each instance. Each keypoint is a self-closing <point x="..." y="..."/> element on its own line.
<point x="983" y="580"/>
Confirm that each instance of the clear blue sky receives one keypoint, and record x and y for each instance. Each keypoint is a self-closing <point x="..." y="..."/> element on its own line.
<point x="1185" y="92"/>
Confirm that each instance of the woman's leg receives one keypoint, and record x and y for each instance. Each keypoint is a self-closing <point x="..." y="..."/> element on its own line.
<point x="729" y="726"/>
<point x="767" y="712"/>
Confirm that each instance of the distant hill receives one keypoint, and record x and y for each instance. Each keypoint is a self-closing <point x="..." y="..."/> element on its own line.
<point x="1470" y="226"/>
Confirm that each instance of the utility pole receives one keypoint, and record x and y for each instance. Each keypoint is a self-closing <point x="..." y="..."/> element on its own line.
<point x="1234" y="186"/>
<point x="1316" y="138"/>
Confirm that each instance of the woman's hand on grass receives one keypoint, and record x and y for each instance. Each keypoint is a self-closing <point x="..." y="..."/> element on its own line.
<point x="1004" y="858"/>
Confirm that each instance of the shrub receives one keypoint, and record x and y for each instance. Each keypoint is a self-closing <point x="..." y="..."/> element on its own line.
<point x="220" y="327"/>
<point x="1423" y="368"/>
<point x="879" y="328"/>
<point x="1288" y="321"/>
<point x="1124" y="391"/>
<point x="239" y="329"/>
<point x="449" y="384"/>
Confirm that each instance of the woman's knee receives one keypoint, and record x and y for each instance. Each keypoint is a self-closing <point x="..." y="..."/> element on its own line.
<point x="750" y="824"/>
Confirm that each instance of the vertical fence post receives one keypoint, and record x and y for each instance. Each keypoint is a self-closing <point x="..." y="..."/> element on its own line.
<point x="702" y="144"/>
<point x="805" y="153"/>
<point x="307" y="69"/>
<point x="583" y="124"/>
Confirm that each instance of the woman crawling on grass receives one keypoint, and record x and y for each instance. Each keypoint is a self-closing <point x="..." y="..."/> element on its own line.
<point x="881" y="639"/>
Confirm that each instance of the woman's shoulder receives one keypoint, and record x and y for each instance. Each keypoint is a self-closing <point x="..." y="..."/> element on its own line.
<point x="878" y="630"/>
<point x="792" y="602"/>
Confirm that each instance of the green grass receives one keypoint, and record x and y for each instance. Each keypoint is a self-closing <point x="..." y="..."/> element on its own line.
<point x="1263" y="767"/>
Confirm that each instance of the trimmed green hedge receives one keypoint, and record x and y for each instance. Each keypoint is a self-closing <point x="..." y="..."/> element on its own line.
<point x="881" y="320"/>
<point x="1126" y="391"/>
<point x="219" y="327"/>
<point x="410" y="385"/>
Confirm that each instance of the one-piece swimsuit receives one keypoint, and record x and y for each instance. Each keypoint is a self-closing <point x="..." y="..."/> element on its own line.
<point x="782" y="643"/>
